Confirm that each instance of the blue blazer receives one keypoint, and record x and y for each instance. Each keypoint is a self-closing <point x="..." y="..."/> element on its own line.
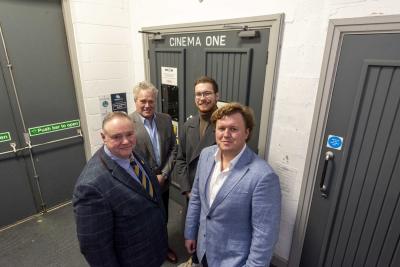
<point x="118" y="223"/>
<point x="242" y="225"/>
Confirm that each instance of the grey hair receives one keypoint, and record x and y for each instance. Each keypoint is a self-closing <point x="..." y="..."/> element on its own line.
<point x="114" y="114"/>
<point x="144" y="86"/>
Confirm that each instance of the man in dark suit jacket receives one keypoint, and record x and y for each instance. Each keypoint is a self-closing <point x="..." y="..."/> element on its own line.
<point x="197" y="133"/>
<point x="156" y="140"/>
<point x="120" y="219"/>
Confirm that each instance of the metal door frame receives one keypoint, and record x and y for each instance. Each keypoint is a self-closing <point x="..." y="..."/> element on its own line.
<point x="73" y="55"/>
<point x="274" y="23"/>
<point x="336" y="30"/>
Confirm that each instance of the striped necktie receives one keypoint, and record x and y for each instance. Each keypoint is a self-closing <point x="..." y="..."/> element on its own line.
<point x="144" y="180"/>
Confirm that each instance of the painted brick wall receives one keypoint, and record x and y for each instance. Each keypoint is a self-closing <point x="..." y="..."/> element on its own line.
<point x="102" y="40"/>
<point x="110" y="56"/>
<point x="305" y="29"/>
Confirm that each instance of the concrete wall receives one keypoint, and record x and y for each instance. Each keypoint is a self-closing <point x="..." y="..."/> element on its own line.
<point x="110" y="56"/>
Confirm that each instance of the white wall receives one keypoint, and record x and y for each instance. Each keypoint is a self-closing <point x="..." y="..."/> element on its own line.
<point x="102" y="34"/>
<point x="110" y="56"/>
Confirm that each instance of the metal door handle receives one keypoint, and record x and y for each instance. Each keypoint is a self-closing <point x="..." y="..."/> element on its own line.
<point x="323" y="186"/>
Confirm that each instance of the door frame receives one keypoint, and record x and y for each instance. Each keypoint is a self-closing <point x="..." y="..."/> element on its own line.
<point x="273" y="22"/>
<point x="73" y="55"/>
<point x="337" y="29"/>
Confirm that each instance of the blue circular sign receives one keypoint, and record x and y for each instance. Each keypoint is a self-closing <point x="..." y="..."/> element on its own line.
<point x="334" y="141"/>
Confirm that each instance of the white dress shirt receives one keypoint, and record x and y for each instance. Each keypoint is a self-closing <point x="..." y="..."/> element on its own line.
<point x="219" y="176"/>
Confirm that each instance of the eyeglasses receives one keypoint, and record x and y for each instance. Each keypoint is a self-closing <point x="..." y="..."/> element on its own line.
<point x="205" y="94"/>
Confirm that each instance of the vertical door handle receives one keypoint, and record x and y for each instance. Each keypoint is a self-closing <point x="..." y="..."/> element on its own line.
<point x="323" y="186"/>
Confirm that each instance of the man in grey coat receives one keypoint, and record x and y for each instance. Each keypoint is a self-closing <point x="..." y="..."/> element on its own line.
<point x="197" y="133"/>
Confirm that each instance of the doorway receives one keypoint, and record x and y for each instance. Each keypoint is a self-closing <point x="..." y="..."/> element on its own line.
<point x="349" y="208"/>
<point x="240" y="54"/>
<point x="41" y="145"/>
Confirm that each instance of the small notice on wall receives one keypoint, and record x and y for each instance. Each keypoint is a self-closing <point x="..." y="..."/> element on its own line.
<point x="113" y="102"/>
<point x="118" y="102"/>
<point x="169" y="76"/>
<point x="105" y="105"/>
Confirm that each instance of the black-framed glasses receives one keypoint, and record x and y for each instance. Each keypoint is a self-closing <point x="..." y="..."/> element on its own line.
<point x="205" y="94"/>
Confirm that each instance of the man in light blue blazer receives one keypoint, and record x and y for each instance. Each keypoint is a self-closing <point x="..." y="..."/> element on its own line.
<point x="234" y="212"/>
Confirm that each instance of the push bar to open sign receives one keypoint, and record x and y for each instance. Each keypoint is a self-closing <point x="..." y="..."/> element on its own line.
<point x="13" y="145"/>
<point x="54" y="127"/>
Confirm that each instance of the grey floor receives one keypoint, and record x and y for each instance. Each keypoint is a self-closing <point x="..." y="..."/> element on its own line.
<point x="50" y="240"/>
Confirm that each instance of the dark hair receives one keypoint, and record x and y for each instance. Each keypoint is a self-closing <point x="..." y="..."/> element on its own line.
<point x="114" y="114"/>
<point x="206" y="79"/>
<point x="232" y="108"/>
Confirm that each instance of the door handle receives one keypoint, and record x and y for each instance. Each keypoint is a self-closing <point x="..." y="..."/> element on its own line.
<point x="323" y="186"/>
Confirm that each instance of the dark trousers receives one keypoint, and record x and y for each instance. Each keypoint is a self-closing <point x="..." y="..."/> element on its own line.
<point x="195" y="259"/>
<point x="204" y="261"/>
<point x="165" y="199"/>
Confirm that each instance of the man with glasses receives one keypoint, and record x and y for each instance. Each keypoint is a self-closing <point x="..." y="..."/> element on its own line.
<point x="118" y="208"/>
<point x="197" y="133"/>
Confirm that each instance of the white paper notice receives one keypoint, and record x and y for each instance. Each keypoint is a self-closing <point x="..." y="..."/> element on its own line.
<point x="105" y="105"/>
<point x="169" y="76"/>
<point x="290" y="186"/>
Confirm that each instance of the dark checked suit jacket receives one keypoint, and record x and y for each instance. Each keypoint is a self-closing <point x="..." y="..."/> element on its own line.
<point x="118" y="223"/>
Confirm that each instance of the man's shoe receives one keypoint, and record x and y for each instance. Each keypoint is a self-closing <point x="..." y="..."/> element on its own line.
<point x="171" y="256"/>
<point x="189" y="263"/>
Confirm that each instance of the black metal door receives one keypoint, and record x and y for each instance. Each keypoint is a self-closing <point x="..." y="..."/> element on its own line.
<point x="16" y="198"/>
<point x="355" y="214"/>
<point x="44" y="154"/>
<point x="237" y="63"/>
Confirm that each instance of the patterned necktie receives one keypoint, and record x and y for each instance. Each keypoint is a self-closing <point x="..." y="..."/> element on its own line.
<point x="144" y="180"/>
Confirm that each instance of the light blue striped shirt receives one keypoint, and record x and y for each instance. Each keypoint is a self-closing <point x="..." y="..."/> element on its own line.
<point x="124" y="163"/>
<point x="151" y="129"/>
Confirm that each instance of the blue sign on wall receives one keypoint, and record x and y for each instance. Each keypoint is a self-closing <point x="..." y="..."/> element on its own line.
<point x="335" y="142"/>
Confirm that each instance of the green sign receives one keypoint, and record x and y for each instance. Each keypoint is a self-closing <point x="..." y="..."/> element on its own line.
<point x="4" y="137"/>
<point x="54" y="127"/>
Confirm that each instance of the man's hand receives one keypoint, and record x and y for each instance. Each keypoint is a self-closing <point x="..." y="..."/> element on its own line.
<point x="188" y="194"/>
<point x="190" y="246"/>
<point x="161" y="179"/>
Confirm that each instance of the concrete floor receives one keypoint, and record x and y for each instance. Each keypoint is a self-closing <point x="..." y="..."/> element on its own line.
<point x="50" y="240"/>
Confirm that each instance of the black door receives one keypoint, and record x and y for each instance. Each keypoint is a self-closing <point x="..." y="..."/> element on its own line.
<point x="237" y="63"/>
<point x="355" y="211"/>
<point x="38" y="109"/>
